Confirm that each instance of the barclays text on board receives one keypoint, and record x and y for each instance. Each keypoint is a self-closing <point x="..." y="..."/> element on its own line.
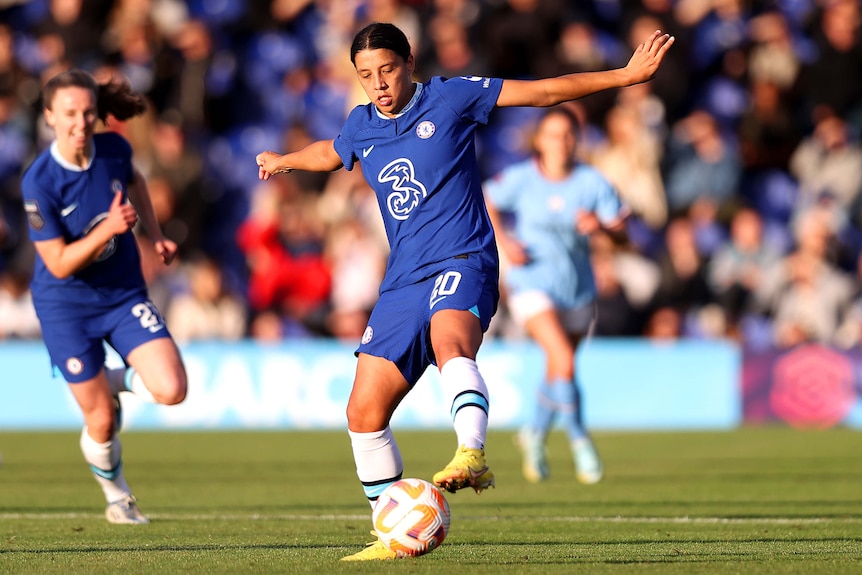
<point x="628" y="384"/>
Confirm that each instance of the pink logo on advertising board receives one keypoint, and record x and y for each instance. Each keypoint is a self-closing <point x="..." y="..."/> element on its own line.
<point x="812" y="387"/>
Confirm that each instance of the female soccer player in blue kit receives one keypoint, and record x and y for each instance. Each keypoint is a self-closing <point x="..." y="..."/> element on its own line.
<point x="415" y="142"/>
<point x="87" y="286"/>
<point x="556" y="202"/>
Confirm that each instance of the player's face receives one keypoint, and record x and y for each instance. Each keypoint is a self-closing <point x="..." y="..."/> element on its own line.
<point x="73" y="116"/>
<point x="555" y="141"/>
<point x="386" y="79"/>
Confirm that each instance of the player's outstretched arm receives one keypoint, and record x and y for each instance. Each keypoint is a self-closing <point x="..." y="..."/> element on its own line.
<point x="642" y="66"/>
<point x="318" y="156"/>
<point x="139" y="196"/>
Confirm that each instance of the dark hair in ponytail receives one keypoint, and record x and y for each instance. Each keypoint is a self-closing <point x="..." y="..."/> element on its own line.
<point x="380" y="35"/>
<point x="115" y="97"/>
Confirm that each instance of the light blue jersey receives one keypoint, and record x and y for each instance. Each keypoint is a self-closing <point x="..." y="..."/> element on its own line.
<point x="422" y="166"/>
<point x="545" y="211"/>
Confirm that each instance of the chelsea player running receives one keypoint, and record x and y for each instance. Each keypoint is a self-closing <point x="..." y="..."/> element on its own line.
<point x="415" y="142"/>
<point x="87" y="287"/>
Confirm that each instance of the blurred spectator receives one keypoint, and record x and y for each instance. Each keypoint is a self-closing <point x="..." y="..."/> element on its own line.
<point x="702" y="164"/>
<point x="397" y="12"/>
<point x="181" y="170"/>
<point x="664" y="324"/>
<point x="849" y="333"/>
<point x="717" y="27"/>
<point x="626" y="283"/>
<point x="16" y="305"/>
<point x="189" y="90"/>
<point x="773" y="57"/>
<point x="283" y="248"/>
<point x="767" y="132"/>
<point x="207" y="310"/>
<point x="828" y="167"/>
<point x="737" y="268"/>
<point x="630" y="160"/>
<point x="267" y="327"/>
<point x="637" y="277"/>
<point x="14" y="150"/>
<point x="682" y="285"/>
<point x="672" y="88"/>
<point x="520" y="36"/>
<point x="357" y="263"/>
<point x="804" y="293"/>
<point x="831" y="79"/>
<point x="73" y="30"/>
<point x="451" y="54"/>
<point x="616" y="316"/>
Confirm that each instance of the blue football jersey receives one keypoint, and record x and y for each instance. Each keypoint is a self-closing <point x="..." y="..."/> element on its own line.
<point x="422" y="166"/>
<point x="62" y="200"/>
<point x="545" y="210"/>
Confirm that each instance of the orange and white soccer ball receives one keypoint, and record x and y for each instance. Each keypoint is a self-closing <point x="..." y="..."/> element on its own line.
<point x="411" y="517"/>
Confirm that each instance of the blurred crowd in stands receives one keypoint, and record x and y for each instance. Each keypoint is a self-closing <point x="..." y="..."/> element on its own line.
<point x="741" y="161"/>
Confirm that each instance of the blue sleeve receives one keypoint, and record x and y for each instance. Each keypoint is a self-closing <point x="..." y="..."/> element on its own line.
<point x="40" y="205"/>
<point x="470" y="97"/>
<point x="343" y="144"/>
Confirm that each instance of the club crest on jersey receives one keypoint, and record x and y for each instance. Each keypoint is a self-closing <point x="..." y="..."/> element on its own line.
<point x="368" y="334"/>
<point x="407" y="192"/>
<point x="34" y="216"/>
<point x="426" y="129"/>
<point x="74" y="365"/>
<point x="116" y="186"/>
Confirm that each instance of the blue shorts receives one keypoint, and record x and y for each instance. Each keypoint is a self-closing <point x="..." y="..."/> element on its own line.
<point x="75" y="337"/>
<point x="399" y="326"/>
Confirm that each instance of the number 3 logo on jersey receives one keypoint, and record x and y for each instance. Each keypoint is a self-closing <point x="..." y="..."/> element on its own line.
<point x="407" y="192"/>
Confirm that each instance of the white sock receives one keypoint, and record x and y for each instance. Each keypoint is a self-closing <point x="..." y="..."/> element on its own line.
<point x="106" y="463"/>
<point x="378" y="461"/>
<point x="127" y="379"/>
<point x="467" y="394"/>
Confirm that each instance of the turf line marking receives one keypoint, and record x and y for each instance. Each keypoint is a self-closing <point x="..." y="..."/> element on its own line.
<point x="365" y="517"/>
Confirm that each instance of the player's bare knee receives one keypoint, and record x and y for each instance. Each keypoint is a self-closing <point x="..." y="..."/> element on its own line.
<point x="174" y="394"/>
<point x="171" y="388"/>
<point x="101" y="425"/>
<point x="360" y="419"/>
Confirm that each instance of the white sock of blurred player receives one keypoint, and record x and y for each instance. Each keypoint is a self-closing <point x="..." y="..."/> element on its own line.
<point x="106" y="463"/>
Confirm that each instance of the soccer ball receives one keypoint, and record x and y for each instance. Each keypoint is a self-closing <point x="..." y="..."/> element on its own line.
<point x="411" y="517"/>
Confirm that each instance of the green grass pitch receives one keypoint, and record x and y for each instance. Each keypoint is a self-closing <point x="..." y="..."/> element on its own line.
<point x="751" y="501"/>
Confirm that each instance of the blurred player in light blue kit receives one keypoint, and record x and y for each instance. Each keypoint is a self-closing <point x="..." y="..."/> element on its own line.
<point x="415" y="142"/>
<point x="82" y="197"/>
<point x="556" y="202"/>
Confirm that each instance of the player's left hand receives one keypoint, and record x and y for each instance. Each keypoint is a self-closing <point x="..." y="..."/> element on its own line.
<point x="166" y="249"/>
<point x="646" y="60"/>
